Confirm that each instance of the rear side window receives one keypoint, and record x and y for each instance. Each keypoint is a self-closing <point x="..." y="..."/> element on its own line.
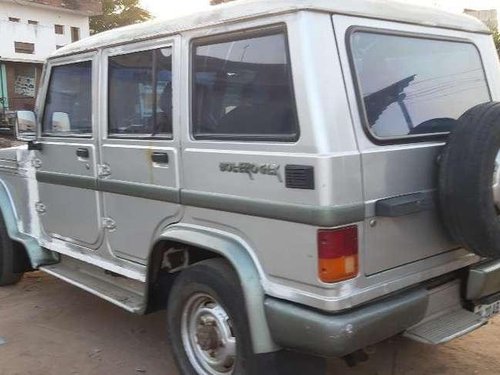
<point x="242" y="89"/>
<point x="140" y="94"/>
<point x="414" y="86"/>
<point x="68" y="106"/>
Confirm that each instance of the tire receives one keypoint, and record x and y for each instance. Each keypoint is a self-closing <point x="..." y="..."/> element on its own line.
<point x="466" y="173"/>
<point x="8" y="274"/>
<point x="211" y="285"/>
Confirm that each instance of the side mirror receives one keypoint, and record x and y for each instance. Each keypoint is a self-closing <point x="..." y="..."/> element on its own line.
<point x="26" y="126"/>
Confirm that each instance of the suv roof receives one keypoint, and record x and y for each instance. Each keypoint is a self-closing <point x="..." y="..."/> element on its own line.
<point x="245" y="9"/>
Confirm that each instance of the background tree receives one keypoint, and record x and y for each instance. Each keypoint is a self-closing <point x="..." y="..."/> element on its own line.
<point x="117" y="13"/>
<point x="496" y="37"/>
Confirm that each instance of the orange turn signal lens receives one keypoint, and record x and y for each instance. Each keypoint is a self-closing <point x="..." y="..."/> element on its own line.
<point x="338" y="254"/>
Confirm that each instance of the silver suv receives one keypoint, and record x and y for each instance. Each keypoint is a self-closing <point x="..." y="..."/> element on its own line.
<point x="273" y="173"/>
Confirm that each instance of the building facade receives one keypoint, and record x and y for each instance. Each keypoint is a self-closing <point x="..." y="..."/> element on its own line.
<point x="489" y="17"/>
<point x="31" y="30"/>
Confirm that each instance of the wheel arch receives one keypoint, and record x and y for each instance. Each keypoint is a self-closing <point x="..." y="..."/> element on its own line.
<point x="36" y="254"/>
<point x="220" y="244"/>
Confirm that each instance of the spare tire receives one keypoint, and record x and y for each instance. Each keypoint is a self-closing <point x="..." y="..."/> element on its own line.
<point x="469" y="181"/>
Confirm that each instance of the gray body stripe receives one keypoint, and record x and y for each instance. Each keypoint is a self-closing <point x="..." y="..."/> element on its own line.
<point x="297" y="213"/>
<point x="82" y="182"/>
<point x="156" y="193"/>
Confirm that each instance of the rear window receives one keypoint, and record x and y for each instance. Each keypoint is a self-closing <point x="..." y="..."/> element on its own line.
<point x="413" y="86"/>
<point x="242" y="89"/>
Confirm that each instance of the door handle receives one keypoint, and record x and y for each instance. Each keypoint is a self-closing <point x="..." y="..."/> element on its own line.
<point x="82" y="153"/>
<point x="405" y="204"/>
<point x="160" y="157"/>
<point x="34" y="146"/>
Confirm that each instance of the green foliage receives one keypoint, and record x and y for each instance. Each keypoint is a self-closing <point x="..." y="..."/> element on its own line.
<point x="117" y="13"/>
<point x="496" y="37"/>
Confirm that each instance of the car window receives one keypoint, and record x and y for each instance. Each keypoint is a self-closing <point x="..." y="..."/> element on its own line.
<point x="414" y="86"/>
<point x="242" y="89"/>
<point x="140" y="94"/>
<point x="68" y="105"/>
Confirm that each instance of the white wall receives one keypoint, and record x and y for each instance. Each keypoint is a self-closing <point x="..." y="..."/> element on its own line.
<point x="43" y="34"/>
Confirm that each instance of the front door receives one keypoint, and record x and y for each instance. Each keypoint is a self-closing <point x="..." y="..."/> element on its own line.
<point x="68" y="203"/>
<point x="139" y="158"/>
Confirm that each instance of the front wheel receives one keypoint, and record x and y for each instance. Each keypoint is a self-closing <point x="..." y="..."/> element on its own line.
<point x="208" y="325"/>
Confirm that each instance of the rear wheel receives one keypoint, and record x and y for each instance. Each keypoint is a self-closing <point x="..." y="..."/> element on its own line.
<point x="8" y="274"/>
<point x="208" y="326"/>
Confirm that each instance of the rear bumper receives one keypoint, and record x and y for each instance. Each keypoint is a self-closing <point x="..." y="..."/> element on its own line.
<point x="483" y="280"/>
<point x="300" y="328"/>
<point x="307" y="330"/>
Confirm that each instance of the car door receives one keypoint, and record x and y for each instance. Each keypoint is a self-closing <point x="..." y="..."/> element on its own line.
<point x="139" y="154"/>
<point x="68" y="203"/>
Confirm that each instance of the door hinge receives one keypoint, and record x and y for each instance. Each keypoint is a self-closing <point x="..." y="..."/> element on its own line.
<point x="109" y="224"/>
<point x="40" y="208"/>
<point x="103" y="170"/>
<point x="36" y="163"/>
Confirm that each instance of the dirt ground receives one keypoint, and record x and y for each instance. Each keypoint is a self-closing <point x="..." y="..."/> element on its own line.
<point x="8" y="141"/>
<point x="48" y="327"/>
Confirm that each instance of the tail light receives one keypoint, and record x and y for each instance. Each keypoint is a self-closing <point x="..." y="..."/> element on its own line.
<point x="337" y="254"/>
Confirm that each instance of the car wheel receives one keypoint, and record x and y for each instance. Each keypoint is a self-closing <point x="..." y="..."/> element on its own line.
<point x="208" y="325"/>
<point x="8" y="276"/>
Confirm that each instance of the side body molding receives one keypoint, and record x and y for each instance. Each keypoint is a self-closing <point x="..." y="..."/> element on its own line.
<point x="237" y="253"/>
<point x="37" y="255"/>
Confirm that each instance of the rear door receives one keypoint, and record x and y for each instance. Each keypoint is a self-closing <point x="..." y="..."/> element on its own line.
<point x="139" y="166"/>
<point x="408" y="85"/>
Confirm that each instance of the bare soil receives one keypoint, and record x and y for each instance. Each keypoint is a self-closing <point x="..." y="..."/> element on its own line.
<point x="48" y="327"/>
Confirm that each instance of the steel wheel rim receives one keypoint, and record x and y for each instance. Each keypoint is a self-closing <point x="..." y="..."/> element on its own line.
<point x="207" y="336"/>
